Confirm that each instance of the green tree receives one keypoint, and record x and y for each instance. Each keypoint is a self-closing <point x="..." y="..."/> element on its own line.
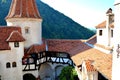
<point x="68" y="73"/>
<point x="55" y="25"/>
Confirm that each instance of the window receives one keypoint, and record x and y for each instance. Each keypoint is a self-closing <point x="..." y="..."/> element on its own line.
<point x="100" y="32"/>
<point x="27" y="30"/>
<point x="16" y="44"/>
<point x="14" y="64"/>
<point x="8" y="65"/>
<point x="111" y="33"/>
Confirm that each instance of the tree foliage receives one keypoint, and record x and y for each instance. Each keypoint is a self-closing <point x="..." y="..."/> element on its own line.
<point x="68" y="73"/>
<point x="55" y="24"/>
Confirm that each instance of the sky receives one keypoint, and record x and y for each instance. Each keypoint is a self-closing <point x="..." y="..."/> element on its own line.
<point x="88" y="13"/>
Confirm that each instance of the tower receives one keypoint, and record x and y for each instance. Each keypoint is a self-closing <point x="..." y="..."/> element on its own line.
<point x="105" y="30"/>
<point x="109" y="28"/>
<point x="116" y="53"/>
<point x="24" y="13"/>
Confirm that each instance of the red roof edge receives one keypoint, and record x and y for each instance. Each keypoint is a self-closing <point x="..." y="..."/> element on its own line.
<point x="15" y="36"/>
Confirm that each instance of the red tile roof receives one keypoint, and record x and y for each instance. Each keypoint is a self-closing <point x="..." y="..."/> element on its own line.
<point x="23" y="9"/>
<point x="79" y="52"/>
<point x="36" y="49"/>
<point x="103" y="25"/>
<point x="89" y="65"/>
<point x="92" y="40"/>
<point x="69" y="46"/>
<point x="102" y="61"/>
<point x="15" y="36"/>
<point x="4" y="34"/>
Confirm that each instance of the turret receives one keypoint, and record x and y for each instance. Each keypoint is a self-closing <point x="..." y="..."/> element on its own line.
<point x="24" y="13"/>
<point x="105" y="30"/>
<point x="109" y="29"/>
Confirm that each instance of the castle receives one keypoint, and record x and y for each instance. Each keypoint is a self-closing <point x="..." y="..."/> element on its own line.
<point x="23" y="52"/>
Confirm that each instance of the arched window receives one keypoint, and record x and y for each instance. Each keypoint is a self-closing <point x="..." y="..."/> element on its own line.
<point x="14" y="64"/>
<point x="8" y="65"/>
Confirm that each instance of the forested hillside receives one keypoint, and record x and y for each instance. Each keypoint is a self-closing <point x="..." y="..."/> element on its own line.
<point x="55" y="24"/>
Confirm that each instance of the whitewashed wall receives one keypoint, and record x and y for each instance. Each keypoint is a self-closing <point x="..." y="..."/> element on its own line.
<point x="35" y="34"/>
<point x="104" y="39"/>
<point x="116" y="59"/>
<point x="13" y="55"/>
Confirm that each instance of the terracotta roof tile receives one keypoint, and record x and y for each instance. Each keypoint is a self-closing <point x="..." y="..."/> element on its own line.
<point x="15" y="36"/>
<point x="4" y="34"/>
<point x="23" y="9"/>
<point x="101" y="25"/>
<point x="65" y="46"/>
<point x="4" y="46"/>
<point x="102" y="61"/>
<point x="36" y="49"/>
<point x="79" y="52"/>
<point x="92" y="40"/>
<point x="89" y="65"/>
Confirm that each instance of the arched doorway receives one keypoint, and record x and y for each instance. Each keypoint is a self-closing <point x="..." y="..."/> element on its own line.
<point x="28" y="76"/>
<point x="58" y="71"/>
<point x="46" y="72"/>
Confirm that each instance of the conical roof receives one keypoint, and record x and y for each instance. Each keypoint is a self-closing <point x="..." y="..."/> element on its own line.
<point x="23" y="9"/>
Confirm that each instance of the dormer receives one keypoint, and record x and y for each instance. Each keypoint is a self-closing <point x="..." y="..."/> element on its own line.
<point x="15" y="40"/>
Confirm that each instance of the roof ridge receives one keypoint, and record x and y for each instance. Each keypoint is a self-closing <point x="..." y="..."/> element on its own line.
<point x="12" y="33"/>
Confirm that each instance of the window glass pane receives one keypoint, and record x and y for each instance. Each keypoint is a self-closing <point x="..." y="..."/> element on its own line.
<point x="100" y="32"/>
<point x="16" y="44"/>
<point x="14" y="64"/>
<point x="8" y="65"/>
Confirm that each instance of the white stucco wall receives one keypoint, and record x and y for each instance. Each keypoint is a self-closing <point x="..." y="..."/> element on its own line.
<point x="104" y="39"/>
<point x="116" y="60"/>
<point x="79" y="73"/>
<point x="35" y="29"/>
<point x="84" y="72"/>
<point x="91" y="75"/>
<point x="13" y="55"/>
